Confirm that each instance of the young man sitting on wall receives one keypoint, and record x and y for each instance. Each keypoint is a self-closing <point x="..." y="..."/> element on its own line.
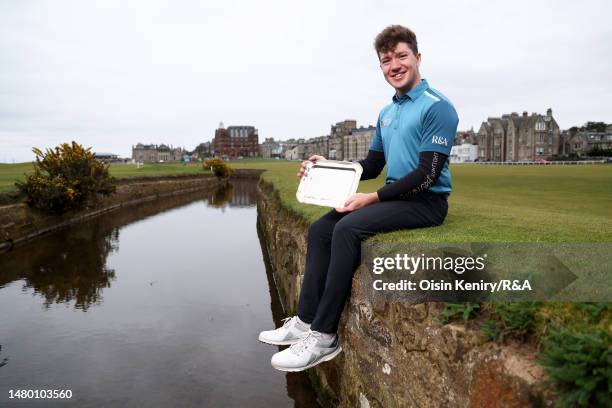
<point x="414" y="135"/>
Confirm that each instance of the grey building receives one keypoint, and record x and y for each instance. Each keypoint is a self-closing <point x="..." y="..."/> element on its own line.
<point x="583" y="142"/>
<point x="203" y="150"/>
<point x="152" y="153"/>
<point x="271" y="149"/>
<point x="357" y="143"/>
<point x="515" y="137"/>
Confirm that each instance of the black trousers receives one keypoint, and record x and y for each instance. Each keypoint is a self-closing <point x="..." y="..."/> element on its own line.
<point x="334" y="251"/>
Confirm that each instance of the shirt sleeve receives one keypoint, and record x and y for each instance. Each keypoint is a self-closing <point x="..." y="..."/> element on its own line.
<point x="377" y="144"/>
<point x="439" y="128"/>
<point x="420" y="180"/>
<point x="372" y="165"/>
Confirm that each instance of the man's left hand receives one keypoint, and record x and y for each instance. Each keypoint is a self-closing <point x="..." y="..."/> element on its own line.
<point x="358" y="201"/>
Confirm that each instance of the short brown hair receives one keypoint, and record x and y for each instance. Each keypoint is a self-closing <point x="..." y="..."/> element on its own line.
<point x="392" y="35"/>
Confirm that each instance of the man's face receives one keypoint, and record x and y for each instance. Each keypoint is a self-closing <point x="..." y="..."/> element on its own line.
<point x="400" y="67"/>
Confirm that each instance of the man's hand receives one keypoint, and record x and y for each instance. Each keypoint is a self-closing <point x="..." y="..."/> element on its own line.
<point x="313" y="159"/>
<point x="358" y="201"/>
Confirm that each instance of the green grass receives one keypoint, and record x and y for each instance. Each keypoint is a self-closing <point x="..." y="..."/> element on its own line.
<point x="154" y="169"/>
<point x="9" y="173"/>
<point x="494" y="203"/>
<point x="488" y="203"/>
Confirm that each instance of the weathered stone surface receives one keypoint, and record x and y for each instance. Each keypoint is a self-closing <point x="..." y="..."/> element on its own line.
<point x="396" y="355"/>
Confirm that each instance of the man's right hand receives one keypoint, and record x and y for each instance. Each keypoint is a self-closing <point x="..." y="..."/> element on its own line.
<point x="312" y="159"/>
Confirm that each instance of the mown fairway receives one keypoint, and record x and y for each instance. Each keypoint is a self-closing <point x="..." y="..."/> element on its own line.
<point x="489" y="203"/>
<point x="496" y="203"/>
<point x="9" y="173"/>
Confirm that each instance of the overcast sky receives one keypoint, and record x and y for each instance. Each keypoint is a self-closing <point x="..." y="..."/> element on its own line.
<point x="110" y="74"/>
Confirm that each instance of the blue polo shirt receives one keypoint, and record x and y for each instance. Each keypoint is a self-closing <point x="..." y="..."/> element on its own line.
<point x="422" y="120"/>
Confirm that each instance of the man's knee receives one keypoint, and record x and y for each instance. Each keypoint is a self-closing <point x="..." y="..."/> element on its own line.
<point x="345" y="228"/>
<point x="321" y="228"/>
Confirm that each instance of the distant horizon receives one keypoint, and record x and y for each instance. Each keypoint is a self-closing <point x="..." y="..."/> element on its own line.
<point x="261" y="141"/>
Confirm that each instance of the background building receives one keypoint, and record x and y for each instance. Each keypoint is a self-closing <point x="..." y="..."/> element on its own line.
<point x="591" y="139"/>
<point x="464" y="153"/>
<point x="156" y="153"/>
<point x="203" y="150"/>
<point x="465" y="136"/>
<point x="236" y="141"/>
<point x="515" y="137"/>
<point x="357" y="143"/>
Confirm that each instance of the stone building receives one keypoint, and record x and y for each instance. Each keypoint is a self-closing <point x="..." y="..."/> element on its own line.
<point x="317" y="145"/>
<point x="296" y="151"/>
<point x="515" y="137"/>
<point x="236" y="141"/>
<point x="345" y="142"/>
<point x="152" y="153"/>
<point x="269" y="148"/>
<point x="582" y="143"/>
<point x="203" y="150"/>
<point x="357" y="143"/>
<point x="336" y="138"/>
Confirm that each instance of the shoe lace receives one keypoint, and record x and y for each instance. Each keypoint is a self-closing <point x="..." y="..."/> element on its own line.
<point x="306" y="342"/>
<point x="287" y="320"/>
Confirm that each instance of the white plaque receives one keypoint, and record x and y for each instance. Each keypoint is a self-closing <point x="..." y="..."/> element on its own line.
<point x="329" y="183"/>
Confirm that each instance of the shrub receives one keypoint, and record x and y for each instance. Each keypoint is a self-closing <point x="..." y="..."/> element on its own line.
<point x="579" y="364"/>
<point x="516" y="319"/>
<point x="593" y="309"/>
<point x="65" y="178"/>
<point x="453" y="311"/>
<point x="218" y="168"/>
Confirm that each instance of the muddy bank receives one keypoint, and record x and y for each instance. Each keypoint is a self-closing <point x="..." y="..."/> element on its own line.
<point x="397" y="355"/>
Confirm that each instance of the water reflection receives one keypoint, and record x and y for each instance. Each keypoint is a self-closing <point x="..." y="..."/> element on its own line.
<point x="166" y="315"/>
<point x="298" y="384"/>
<point x="237" y="194"/>
<point x="70" y="266"/>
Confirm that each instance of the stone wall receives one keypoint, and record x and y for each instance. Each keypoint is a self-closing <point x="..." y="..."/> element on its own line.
<point x="397" y="355"/>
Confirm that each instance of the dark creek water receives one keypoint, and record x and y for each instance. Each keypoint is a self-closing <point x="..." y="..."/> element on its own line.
<point x="156" y="305"/>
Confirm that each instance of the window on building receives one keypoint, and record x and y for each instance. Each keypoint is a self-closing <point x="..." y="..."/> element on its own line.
<point x="540" y="126"/>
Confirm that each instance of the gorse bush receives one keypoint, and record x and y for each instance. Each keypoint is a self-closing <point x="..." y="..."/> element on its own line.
<point x="218" y="167"/>
<point x="580" y="366"/>
<point x="65" y="178"/>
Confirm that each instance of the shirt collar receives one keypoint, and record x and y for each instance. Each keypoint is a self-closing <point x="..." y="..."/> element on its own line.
<point x="413" y="93"/>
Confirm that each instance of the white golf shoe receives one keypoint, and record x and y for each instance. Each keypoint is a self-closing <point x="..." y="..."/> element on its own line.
<point x="290" y="332"/>
<point x="306" y="353"/>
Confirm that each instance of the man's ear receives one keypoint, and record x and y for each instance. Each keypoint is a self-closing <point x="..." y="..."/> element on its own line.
<point x="418" y="59"/>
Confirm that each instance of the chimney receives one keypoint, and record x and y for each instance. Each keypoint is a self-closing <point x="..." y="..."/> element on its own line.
<point x="549" y="112"/>
<point x="525" y="114"/>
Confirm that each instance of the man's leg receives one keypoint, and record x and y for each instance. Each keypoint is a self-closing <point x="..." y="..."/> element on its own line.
<point x="317" y="264"/>
<point x="424" y="210"/>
